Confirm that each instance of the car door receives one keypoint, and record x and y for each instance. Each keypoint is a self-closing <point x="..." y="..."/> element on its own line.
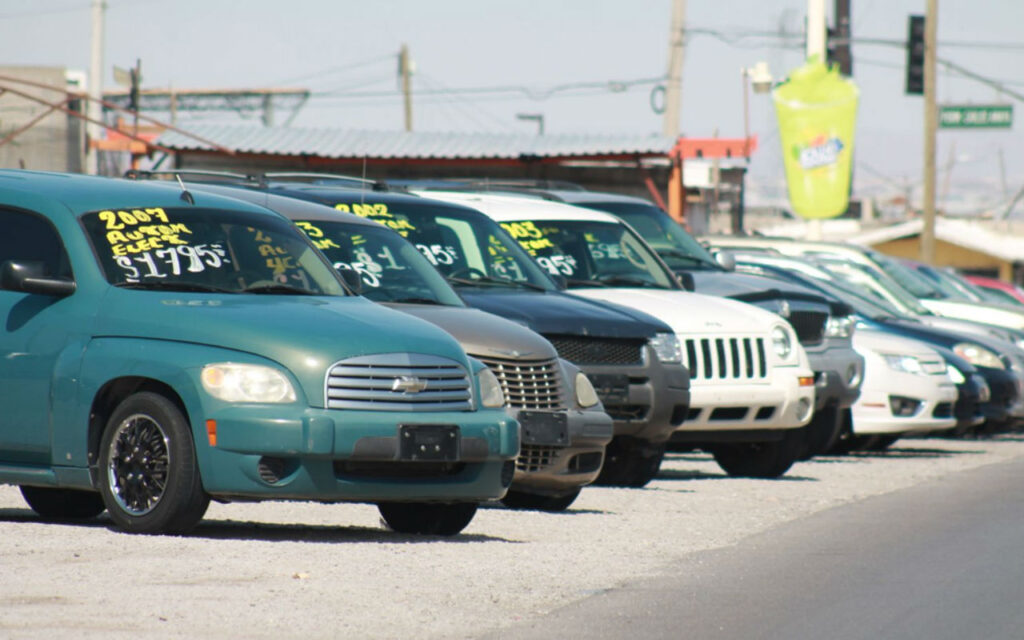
<point x="32" y="335"/>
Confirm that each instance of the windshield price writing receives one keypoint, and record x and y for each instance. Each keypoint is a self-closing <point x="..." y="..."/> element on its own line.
<point x="378" y="213"/>
<point x="138" y="230"/>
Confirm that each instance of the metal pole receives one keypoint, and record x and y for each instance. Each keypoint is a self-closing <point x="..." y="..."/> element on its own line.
<point x="674" y="86"/>
<point x="94" y="108"/>
<point x="930" y="126"/>
<point x="816" y="30"/>
<point x="404" y="68"/>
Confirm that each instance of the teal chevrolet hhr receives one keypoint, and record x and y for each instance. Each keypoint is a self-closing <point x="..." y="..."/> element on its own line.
<point x="163" y="348"/>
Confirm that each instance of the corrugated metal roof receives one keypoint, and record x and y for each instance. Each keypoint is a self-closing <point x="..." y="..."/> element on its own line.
<point x="340" y="143"/>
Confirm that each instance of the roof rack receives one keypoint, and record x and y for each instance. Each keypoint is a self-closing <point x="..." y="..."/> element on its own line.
<point x="332" y="178"/>
<point x="200" y="174"/>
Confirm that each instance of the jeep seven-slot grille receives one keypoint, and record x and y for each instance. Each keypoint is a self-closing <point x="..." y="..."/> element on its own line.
<point x="598" y="350"/>
<point x="398" y="382"/>
<point x="725" y="358"/>
<point x="809" y="326"/>
<point x="528" y="384"/>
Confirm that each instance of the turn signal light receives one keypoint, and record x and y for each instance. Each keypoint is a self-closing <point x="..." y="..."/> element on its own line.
<point x="211" y="432"/>
<point x="806" y="381"/>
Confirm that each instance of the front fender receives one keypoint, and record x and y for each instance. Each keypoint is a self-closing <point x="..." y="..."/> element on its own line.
<point x="174" y="364"/>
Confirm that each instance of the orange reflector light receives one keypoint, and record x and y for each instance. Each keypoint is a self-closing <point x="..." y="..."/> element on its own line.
<point x="806" y="381"/>
<point x="211" y="432"/>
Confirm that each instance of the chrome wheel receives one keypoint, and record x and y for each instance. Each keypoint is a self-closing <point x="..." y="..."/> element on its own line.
<point x="138" y="459"/>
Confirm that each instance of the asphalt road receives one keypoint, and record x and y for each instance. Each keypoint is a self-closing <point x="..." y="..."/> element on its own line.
<point x="939" y="560"/>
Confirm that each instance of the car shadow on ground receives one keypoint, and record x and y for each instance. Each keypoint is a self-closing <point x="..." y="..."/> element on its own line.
<point x="267" y="532"/>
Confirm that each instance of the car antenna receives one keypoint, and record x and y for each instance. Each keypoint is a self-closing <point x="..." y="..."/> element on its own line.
<point x="362" y="187"/>
<point x="185" y="195"/>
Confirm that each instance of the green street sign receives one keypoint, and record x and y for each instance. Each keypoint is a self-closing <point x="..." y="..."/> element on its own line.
<point x="976" y="116"/>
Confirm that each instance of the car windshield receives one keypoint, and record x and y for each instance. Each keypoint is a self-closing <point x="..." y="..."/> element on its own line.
<point x="875" y="284"/>
<point x="591" y="253"/>
<point x="212" y="250"/>
<point x="918" y="285"/>
<point x="466" y="246"/>
<point x="953" y="285"/>
<point x="676" y="247"/>
<point x="999" y="296"/>
<point x="391" y="269"/>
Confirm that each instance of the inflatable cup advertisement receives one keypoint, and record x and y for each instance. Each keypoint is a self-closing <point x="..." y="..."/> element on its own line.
<point x="817" y="110"/>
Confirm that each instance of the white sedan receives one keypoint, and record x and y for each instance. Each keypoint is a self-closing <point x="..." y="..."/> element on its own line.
<point x="907" y="388"/>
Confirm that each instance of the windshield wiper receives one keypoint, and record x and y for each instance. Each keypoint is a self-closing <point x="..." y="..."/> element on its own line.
<point x="173" y="285"/>
<point x="572" y="282"/>
<point x="473" y="282"/>
<point x="278" y="288"/>
<point x="629" y="281"/>
<point x="413" y="300"/>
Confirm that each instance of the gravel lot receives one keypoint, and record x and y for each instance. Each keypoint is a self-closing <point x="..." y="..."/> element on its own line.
<point x="274" y="570"/>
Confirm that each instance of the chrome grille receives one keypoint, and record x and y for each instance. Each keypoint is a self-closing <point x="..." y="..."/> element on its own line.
<point x="528" y="384"/>
<point x="598" y="350"/>
<point x="725" y="358"/>
<point x="376" y="383"/>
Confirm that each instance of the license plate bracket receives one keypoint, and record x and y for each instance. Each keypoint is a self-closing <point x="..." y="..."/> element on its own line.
<point x="612" y="388"/>
<point x="544" y="428"/>
<point x="429" y="442"/>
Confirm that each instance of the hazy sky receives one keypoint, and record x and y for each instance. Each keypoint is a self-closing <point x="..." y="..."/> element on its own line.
<point x="536" y="50"/>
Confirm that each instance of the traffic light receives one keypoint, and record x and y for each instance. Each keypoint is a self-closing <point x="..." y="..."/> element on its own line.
<point x="915" y="55"/>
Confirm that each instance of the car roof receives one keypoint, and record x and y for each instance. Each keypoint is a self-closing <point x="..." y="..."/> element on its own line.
<point x="511" y="208"/>
<point x="77" y="194"/>
<point x="291" y="208"/>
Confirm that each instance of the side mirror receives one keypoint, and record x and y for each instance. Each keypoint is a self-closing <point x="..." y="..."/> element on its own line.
<point x="353" y="280"/>
<point x="685" y="279"/>
<point x="30" y="277"/>
<point x="726" y="260"/>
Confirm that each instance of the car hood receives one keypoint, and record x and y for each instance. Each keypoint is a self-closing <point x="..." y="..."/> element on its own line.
<point x="305" y="334"/>
<point x="557" y="313"/>
<point x="689" y="313"/>
<point x="759" y="290"/>
<point x="888" y="343"/>
<point x="483" y="334"/>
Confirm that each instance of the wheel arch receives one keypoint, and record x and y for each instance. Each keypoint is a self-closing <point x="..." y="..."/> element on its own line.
<point x="109" y="396"/>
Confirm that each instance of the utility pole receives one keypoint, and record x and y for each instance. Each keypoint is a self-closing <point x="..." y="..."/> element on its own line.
<point x="405" y="74"/>
<point x="930" y="126"/>
<point x="94" y="109"/>
<point x="673" y="108"/>
<point x="816" y="35"/>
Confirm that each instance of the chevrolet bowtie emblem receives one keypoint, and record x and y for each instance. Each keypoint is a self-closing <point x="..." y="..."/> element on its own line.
<point x="408" y="384"/>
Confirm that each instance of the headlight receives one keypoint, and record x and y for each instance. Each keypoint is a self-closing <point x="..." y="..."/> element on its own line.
<point x="781" y="342"/>
<point x="955" y="375"/>
<point x="839" y="327"/>
<point x="586" y="396"/>
<point x="232" y="382"/>
<point x="978" y="355"/>
<point x="666" y="346"/>
<point x="491" y="394"/>
<point x="907" y="364"/>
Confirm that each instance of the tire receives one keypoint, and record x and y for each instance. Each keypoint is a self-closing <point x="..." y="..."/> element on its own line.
<point x="760" y="459"/>
<point x="148" y="474"/>
<point x="52" y="503"/>
<point x="537" y="502"/>
<point x="630" y="463"/>
<point x="427" y="518"/>
<point x="823" y="431"/>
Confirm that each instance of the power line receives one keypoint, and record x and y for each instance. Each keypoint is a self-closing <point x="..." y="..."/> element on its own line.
<point x="337" y="69"/>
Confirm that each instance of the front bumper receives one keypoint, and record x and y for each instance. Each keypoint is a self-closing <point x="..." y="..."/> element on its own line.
<point x="718" y="411"/>
<point x="1005" y="400"/>
<point x="543" y="467"/>
<point x="838" y="374"/>
<point x="302" y="453"/>
<point x="646" y="401"/>
<point x="873" y="413"/>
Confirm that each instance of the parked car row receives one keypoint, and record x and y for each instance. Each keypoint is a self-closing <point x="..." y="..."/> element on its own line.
<point x="178" y="337"/>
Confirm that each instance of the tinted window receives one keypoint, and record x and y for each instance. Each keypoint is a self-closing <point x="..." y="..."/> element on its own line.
<point x="28" y="237"/>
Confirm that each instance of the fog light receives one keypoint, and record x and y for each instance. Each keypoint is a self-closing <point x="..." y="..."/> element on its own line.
<point x="903" y="406"/>
<point x="803" y="409"/>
